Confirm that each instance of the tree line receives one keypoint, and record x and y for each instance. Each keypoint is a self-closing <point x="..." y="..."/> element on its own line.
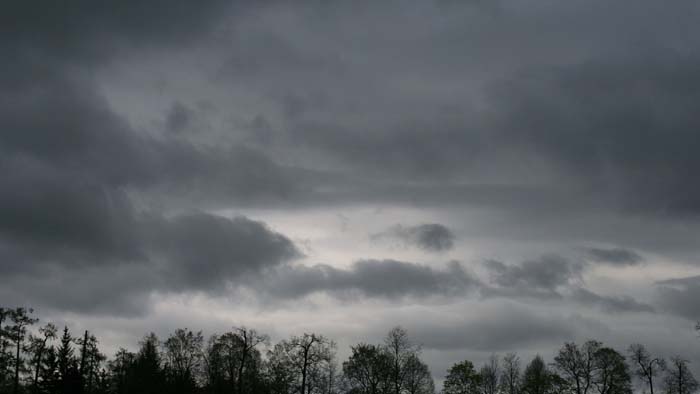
<point x="45" y="360"/>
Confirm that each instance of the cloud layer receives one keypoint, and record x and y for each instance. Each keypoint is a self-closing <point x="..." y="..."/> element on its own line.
<point x="534" y="155"/>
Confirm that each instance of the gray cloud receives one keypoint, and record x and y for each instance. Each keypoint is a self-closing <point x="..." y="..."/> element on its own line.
<point x="679" y="296"/>
<point x="537" y="278"/>
<point x="179" y="118"/>
<point x="203" y="251"/>
<point x="553" y="277"/>
<point x="87" y="31"/>
<point x="616" y="256"/>
<point x="432" y="237"/>
<point x="523" y="124"/>
<point x="610" y="304"/>
<point x="371" y="278"/>
<point x="194" y="252"/>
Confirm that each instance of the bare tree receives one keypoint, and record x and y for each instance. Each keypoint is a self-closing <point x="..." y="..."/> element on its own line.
<point x="183" y="352"/>
<point x="646" y="367"/>
<point x="510" y="374"/>
<point x="679" y="379"/>
<point x="37" y="346"/>
<point x="249" y="340"/>
<point x="577" y="365"/>
<point x="301" y="356"/>
<point x="400" y="350"/>
<point x="418" y="379"/>
<point x="489" y="375"/>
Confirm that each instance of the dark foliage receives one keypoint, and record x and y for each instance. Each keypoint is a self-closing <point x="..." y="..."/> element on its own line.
<point x="242" y="361"/>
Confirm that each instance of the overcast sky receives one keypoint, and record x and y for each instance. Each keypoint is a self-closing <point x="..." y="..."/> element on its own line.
<point x="492" y="175"/>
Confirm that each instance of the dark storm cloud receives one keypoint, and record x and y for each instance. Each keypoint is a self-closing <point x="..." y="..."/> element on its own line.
<point x="179" y="118"/>
<point x="680" y="296"/>
<point x="87" y="30"/>
<point x="46" y="209"/>
<point x="203" y="252"/>
<point x="610" y="304"/>
<point x="371" y="278"/>
<point x="607" y="122"/>
<point x="70" y="168"/>
<point x="561" y="129"/>
<point x="433" y="237"/>
<point x="615" y="257"/>
<point x="553" y="109"/>
<point x="536" y="278"/>
<point x="193" y="252"/>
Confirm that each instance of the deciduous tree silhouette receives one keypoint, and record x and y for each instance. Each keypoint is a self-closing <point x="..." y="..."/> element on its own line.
<point x="611" y="372"/>
<point x="577" y="365"/>
<point x="679" y="379"/>
<point x="510" y="374"/>
<point x="37" y="348"/>
<point x="233" y="363"/>
<point x="462" y="378"/>
<point x="489" y="375"/>
<point x="368" y="369"/>
<point x="183" y="355"/>
<point x="401" y="350"/>
<point x="646" y="367"/>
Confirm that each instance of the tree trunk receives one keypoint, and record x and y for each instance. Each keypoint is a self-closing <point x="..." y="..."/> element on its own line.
<point x="38" y="366"/>
<point x="17" y="360"/>
<point x="240" y="371"/>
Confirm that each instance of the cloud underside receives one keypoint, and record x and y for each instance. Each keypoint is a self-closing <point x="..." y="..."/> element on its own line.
<point x="555" y="139"/>
<point x="432" y="237"/>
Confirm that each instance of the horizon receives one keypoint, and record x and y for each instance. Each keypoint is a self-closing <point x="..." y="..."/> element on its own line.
<point x="492" y="176"/>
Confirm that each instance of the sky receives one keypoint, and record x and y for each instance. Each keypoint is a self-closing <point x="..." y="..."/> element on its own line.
<point x="493" y="176"/>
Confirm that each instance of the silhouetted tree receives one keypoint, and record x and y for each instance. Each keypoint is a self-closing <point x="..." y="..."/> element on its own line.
<point x="462" y="378"/>
<point x="301" y="356"/>
<point x="69" y="379"/>
<point x="21" y="319"/>
<point x="489" y="376"/>
<point x="5" y="357"/>
<point x="120" y="370"/>
<point x="183" y="355"/>
<point x="368" y="369"/>
<point x="232" y="363"/>
<point x="417" y="379"/>
<point x="510" y="374"/>
<point x="611" y="372"/>
<point x="147" y="373"/>
<point x="37" y="348"/>
<point x="646" y="367"/>
<point x="49" y="380"/>
<point x="215" y="365"/>
<point x="577" y="365"/>
<point x="90" y="361"/>
<point x="679" y="379"/>
<point x="233" y="360"/>
<point x="250" y="339"/>
<point x="280" y="373"/>
<point x="400" y="350"/>
<point x="537" y="379"/>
